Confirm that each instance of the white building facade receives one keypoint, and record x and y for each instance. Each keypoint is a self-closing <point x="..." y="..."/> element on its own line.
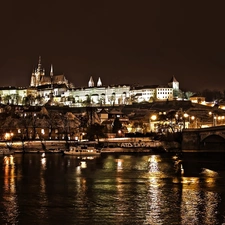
<point x="56" y="90"/>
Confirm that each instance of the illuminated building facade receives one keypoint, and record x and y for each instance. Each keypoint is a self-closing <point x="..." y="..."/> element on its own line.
<point x="56" y="90"/>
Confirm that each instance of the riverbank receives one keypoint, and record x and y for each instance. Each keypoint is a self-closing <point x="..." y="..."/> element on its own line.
<point x="120" y="144"/>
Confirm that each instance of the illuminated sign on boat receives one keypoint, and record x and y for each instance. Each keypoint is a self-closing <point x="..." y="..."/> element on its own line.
<point x="138" y="144"/>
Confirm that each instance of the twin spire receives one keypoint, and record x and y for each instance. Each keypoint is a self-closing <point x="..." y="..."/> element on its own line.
<point x="92" y="84"/>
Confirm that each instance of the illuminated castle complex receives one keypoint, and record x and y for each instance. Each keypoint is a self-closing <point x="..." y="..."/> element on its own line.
<point x="56" y="90"/>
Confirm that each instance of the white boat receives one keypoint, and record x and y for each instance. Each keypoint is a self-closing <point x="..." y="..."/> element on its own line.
<point x="83" y="150"/>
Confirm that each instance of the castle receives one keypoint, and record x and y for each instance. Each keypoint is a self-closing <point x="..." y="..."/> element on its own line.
<point x="56" y="90"/>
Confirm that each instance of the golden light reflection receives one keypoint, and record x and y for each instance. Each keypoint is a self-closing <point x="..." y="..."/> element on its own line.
<point x="153" y="163"/>
<point x="209" y="173"/>
<point x="78" y="170"/>
<point x="190" y="206"/>
<point x="181" y="169"/>
<point x="199" y="206"/>
<point x="43" y="213"/>
<point x="211" y="204"/>
<point x="120" y="196"/>
<point x="83" y="164"/>
<point x="153" y="181"/>
<point x="155" y="198"/>
<point x="210" y="177"/>
<point x="210" y="182"/>
<point x="119" y="164"/>
<point x="43" y="162"/>
<point x="8" y="160"/>
<point x="178" y="165"/>
<point x="190" y="180"/>
<point x="9" y="190"/>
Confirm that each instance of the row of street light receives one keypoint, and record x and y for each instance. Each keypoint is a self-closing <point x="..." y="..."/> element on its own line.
<point x="183" y="120"/>
<point x="216" y="118"/>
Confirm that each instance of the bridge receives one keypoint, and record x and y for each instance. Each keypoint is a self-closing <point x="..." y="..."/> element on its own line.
<point x="211" y="139"/>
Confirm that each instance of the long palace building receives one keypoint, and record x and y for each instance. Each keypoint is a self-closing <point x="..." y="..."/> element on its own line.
<point x="57" y="90"/>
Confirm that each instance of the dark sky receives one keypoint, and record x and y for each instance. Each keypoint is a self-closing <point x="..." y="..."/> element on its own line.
<point x="123" y="42"/>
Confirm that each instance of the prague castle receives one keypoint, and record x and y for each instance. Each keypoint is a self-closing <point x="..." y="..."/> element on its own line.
<point x="57" y="90"/>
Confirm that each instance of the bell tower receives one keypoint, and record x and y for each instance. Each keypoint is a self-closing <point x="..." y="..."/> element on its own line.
<point x="174" y="84"/>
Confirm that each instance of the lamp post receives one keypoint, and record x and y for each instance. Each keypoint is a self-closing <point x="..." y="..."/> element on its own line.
<point x="192" y="118"/>
<point x="152" y="118"/>
<point x="213" y="118"/>
<point x="185" y="116"/>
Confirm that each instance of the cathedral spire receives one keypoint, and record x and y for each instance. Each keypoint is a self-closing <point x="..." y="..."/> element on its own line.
<point x="99" y="83"/>
<point x="91" y="82"/>
<point x="39" y="64"/>
<point x="51" y="72"/>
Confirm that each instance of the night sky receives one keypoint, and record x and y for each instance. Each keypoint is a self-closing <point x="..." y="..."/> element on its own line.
<point x="123" y="42"/>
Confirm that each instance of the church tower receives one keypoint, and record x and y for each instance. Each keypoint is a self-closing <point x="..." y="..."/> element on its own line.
<point x="174" y="84"/>
<point x="37" y="75"/>
<point x="33" y="79"/>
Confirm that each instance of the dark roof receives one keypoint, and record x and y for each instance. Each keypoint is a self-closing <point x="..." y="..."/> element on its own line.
<point x="173" y="79"/>
<point x="49" y="86"/>
<point x="139" y="87"/>
<point x="12" y="88"/>
<point x="103" y="111"/>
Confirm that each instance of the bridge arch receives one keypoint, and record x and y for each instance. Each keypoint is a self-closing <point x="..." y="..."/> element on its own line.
<point x="213" y="142"/>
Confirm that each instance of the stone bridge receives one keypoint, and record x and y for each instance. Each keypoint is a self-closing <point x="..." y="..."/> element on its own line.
<point x="211" y="139"/>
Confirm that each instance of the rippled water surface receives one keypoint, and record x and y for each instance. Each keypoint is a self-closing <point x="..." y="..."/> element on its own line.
<point x="112" y="189"/>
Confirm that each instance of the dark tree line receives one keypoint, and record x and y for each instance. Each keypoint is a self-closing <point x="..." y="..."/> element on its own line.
<point x="212" y="95"/>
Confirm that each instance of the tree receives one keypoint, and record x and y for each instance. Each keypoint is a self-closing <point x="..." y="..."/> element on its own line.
<point x="95" y="131"/>
<point x="29" y="100"/>
<point x="188" y="94"/>
<point x="7" y="99"/>
<point x="87" y="102"/>
<point x="211" y="95"/>
<point x="72" y="122"/>
<point x="116" y="125"/>
<point x="53" y="121"/>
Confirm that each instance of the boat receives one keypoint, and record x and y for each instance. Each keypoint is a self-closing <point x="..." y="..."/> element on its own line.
<point x="5" y="151"/>
<point x="83" y="149"/>
<point x="129" y="147"/>
<point x="53" y="150"/>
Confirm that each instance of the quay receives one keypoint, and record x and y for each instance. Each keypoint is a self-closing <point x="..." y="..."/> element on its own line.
<point x="211" y="139"/>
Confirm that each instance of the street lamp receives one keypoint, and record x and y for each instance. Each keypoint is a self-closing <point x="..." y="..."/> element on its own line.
<point x="152" y="118"/>
<point x="185" y="116"/>
<point x="220" y="120"/>
<point x="213" y="118"/>
<point x="193" y="118"/>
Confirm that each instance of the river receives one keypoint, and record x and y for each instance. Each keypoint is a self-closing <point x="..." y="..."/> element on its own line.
<point x="116" y="189"/>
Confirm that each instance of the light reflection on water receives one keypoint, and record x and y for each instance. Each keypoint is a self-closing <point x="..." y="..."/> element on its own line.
<point x="10" y="210"/>
<point x="112" y="189"/>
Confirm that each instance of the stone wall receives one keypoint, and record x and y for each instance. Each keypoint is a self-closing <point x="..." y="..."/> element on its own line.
<point x="190" y="140"/>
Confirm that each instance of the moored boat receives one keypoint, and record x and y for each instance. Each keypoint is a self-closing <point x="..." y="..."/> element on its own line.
<point x="140" y="147"/>
<point x="5" y="151"/>
<point x="83" y="150"/>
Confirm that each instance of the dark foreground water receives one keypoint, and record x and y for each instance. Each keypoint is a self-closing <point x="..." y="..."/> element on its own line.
<point x="112" y="189"/>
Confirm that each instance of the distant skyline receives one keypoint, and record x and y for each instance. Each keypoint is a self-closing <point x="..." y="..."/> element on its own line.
<point x="123" y="42"/>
